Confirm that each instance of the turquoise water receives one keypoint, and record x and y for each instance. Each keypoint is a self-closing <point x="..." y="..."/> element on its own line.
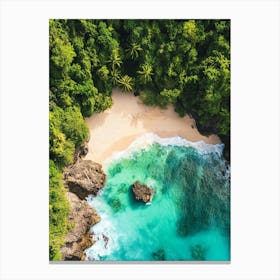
<point x="189" y="216"/>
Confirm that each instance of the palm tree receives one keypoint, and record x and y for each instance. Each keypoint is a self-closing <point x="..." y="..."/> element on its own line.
<point x="145" y="73"/>
<point x="134" y="50"/>
<point x="125" y="83"/>
<point x="115" y="59"/>
<point x="115" y="76"/>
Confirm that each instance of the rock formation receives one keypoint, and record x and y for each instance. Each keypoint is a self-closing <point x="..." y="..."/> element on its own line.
<point x="85" y="177"/>
<point x="81" y="152"/>
<point x="82" y="217"/>
<point x="81" y="179"/>
<point x="142" y="192"/>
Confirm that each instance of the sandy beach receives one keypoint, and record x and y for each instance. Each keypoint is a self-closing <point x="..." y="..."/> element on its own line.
<point x="116" y="128"/>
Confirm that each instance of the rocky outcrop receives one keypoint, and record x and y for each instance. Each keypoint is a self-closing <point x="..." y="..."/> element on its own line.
<point x="81" y="217"/>
<point x="81" y="179"/>
<point x="142" y="192"/>
<point x="81" y="152"/>
<point x="85" y="177"/>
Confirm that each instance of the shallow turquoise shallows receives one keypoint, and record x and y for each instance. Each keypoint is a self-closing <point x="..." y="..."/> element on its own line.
<point x="188" y="218"/>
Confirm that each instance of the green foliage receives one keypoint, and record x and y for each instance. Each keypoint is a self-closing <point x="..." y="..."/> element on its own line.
<point x="168" y="96"/>
<point x="103" y="73"/>
<point x="58" y="212"/>
<point x="190" y="30"/>
<point x="165" y="97"/>
<point x="149" y="98"/>
<point x="145" y="74"/>
<point x="61" y="150"/>
<point x="74" y="127"/>
<point x="61" y="50"/>
<point x="115" y="59"/>
<point x="115" y="76"/>
<point x="62" y="54"/>
<point x="125" y="83"/>
<point x="134" y="50"/>
<point x="67" y="132"/>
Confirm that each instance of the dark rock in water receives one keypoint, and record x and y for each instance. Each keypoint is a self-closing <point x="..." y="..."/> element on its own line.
<point x="142" y="192"/>
<point x="85" y="177"/>
<point x="106" y="239"/>
<point x="198" y="252"/>
<point x="82" y="217"/>
<point x="115" y="203"/>
<point x="159" y="255"/>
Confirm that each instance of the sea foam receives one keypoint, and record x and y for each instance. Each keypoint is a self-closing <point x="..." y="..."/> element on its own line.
<point x="181" y="172"/>
<point x="145" y="141"/>
<point x="103" y="233"/>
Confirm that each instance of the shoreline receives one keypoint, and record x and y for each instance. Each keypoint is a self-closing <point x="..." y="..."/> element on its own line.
<point x="117" y="127"/>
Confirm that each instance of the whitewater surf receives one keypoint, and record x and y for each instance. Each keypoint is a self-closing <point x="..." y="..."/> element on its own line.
<point x="189" y="216"/>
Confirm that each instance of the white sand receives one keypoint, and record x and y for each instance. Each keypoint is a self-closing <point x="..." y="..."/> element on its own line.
<point x="116" y="128"/>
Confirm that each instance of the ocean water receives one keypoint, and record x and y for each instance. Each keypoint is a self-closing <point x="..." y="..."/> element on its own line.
<point x="188" y="218"/>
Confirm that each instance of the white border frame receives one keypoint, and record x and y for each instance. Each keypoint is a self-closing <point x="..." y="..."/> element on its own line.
<point x="255" y="138"/>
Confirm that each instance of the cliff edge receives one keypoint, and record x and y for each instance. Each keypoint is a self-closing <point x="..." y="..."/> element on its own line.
<point x="81" y="179"/>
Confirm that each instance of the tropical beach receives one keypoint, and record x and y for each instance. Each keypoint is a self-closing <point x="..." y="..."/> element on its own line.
<point x="115" y="129"/>
<point x="156" y="147"/>
<point x="139" y="140"/>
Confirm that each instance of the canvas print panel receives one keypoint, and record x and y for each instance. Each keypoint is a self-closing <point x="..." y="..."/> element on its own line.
<point x="139" y="140"/>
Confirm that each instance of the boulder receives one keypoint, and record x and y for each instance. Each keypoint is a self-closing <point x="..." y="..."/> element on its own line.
<point x="142" y="192"/>
<point x="82" y="217"/>
<point x="83" y="178"/>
